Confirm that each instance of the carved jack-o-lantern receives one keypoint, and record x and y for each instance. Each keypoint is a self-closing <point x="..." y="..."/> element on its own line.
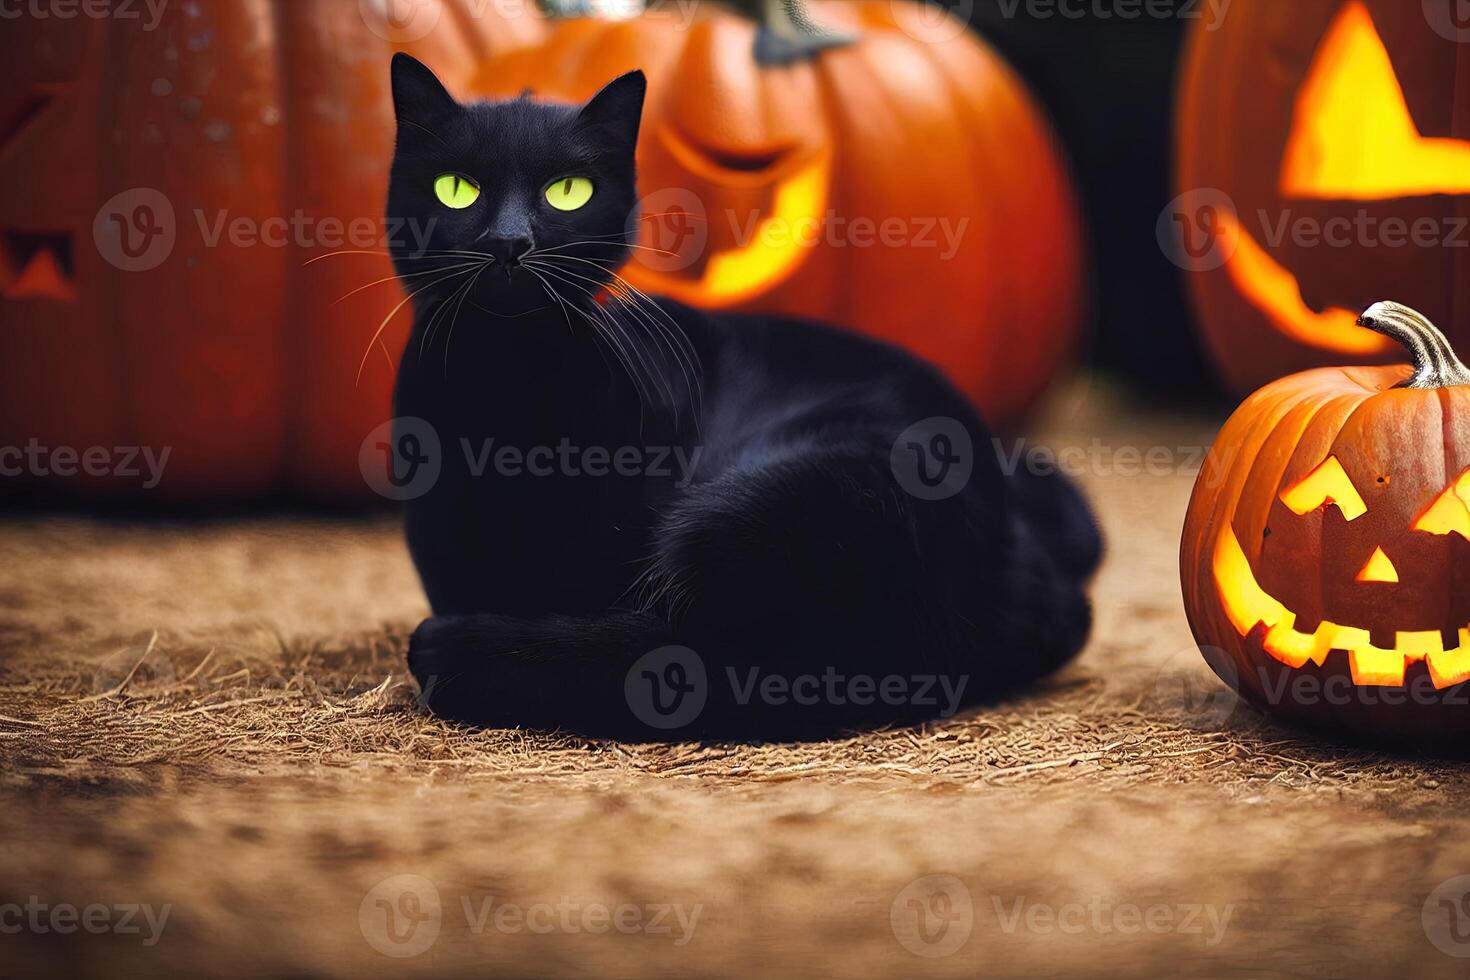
<point x="874" y="175"/>
<point x="1340" y="132"/>
<point x="179" y="334"/>
<point x="1329" y="535"/>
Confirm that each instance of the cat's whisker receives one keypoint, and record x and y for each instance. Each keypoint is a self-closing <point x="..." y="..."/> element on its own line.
<point x="386" y="279"/>
<point x="629" y="354"/>
<point x="623" y="343"/>
<point x="454" y="321"/>
<point x="378" y="334"/>
<point x="688" y="365"/>
<point x="611" y="241"/>
<point x="432" y="327"/>
<point x="678" y="331"/>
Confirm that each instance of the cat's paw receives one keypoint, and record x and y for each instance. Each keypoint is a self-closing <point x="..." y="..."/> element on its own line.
<point x="431" y="650"/>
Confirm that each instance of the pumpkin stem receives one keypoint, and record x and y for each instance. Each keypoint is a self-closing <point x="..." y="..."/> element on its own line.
<point x="1435" y="363"/>
<point x="787" y="32"/>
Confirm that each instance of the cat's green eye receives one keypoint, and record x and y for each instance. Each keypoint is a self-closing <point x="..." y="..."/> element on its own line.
<point x="456" y="192"/>
<point x="569" y="193"/>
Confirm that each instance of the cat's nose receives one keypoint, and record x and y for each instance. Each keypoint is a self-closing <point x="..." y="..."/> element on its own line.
<point x="508" y="252"/>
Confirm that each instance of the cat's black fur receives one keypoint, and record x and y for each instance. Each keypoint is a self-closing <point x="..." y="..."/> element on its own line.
<point x="793" y="550"/>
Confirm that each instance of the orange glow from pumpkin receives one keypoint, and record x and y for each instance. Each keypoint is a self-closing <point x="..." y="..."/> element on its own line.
<point x="776" y="248"/>
<point x="1353" y="137"/>
<point x="1450" y="512"/>
<point x="1378" y="569"/>
<point x="1247" y="605"/>
<point x="1327" y="484"/>
<point x="1274" y="291"/>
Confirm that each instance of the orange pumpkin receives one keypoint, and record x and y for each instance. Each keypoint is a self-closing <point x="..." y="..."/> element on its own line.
<point x="149" y="318"/>
<point x="1327" y="545"/>
<point x="1324" y="156"/>
<point x="889" y="174"/>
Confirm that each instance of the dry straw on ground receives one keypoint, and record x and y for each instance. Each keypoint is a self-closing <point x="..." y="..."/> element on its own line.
<point x="217" y="717"/>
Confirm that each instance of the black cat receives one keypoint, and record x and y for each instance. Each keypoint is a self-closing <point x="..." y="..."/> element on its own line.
<point x="650" y="521"/>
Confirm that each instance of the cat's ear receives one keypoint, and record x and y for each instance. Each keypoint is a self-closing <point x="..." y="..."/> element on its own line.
<point x="615" y="114"/>
<point x="418" y="95"/>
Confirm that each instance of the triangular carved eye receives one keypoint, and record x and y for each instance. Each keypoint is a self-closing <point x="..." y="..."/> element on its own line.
<point x="1354" y="137"/>
<point x="1327" y="484"/>
<point x="1378" y="569"/>
<point x="1449" y="514"/>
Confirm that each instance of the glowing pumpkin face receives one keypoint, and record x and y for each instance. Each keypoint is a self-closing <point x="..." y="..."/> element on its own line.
<point x="1331" y="126"/>
<point x="1330" y="534"/>
<point x="885" y="179"/>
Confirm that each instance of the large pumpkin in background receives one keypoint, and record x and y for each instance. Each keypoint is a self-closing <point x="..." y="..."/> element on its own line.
<point x="903" y="184"/>
<point x="1327" y="544"/>
<point x="1351" y="117"/>
<point x="144" y="319"/>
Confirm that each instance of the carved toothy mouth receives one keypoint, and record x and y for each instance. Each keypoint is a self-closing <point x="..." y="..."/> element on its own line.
<point x="1247" y="605"/>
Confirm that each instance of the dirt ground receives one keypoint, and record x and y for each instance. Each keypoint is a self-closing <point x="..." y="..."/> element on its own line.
<point x="212" y="721"/>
